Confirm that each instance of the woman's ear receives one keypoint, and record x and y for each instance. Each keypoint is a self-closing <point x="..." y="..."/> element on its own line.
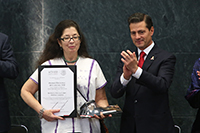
<point x="59" y="42"/>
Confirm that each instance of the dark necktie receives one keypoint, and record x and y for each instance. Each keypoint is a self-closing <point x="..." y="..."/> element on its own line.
<point x="141" y="61"/>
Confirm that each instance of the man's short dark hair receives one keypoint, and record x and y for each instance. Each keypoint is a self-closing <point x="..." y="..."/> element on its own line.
<point x="139" y="17"/>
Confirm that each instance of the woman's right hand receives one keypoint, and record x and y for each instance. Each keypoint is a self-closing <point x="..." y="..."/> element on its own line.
<point x="49" y="115"/>
<point x="198" y="73"/>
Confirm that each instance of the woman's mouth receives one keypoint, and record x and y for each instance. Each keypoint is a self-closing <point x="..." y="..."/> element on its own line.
<point x="71" y="47"/>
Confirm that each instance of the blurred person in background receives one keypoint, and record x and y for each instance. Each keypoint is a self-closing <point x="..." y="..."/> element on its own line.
<point x="8" y="69"/>
<point x="193" y="95"/>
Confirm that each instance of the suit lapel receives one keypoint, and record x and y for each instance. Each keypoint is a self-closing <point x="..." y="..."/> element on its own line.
<point x="150" y="57"/>
<point x="147" y="63"/>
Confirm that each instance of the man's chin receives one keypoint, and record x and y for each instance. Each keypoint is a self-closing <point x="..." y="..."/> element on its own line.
<point x="140" y="46"/>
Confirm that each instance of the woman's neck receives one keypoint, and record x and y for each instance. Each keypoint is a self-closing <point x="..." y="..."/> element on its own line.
<point x="71" y="57"/>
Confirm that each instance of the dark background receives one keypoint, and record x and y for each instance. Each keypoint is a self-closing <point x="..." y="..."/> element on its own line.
<point x="28" y="23"/>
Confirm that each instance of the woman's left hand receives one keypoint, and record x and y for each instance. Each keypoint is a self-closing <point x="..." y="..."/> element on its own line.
<point x="102" y="116"/>
<point x="198" y="73"/>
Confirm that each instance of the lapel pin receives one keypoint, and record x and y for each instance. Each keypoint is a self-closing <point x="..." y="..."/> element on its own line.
<point x="152" y="58"/>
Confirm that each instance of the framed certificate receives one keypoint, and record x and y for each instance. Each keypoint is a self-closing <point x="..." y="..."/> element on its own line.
<point x="57" y="89"/>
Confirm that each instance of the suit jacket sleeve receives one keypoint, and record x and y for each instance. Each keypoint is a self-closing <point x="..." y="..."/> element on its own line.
<point x="159" y="77"/>
<point x="8" y="64"/>
<point x="117" y="89"/>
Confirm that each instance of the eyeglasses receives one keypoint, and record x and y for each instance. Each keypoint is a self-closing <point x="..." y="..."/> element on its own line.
<point x="68" y="39"/>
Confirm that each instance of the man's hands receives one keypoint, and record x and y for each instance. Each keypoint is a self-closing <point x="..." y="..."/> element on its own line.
<point x="130" y="63"/>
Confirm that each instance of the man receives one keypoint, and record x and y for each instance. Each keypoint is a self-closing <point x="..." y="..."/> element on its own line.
<point x="193" y="95"/>
<point x="146" y="108"/>
<point x="8" y="69"/>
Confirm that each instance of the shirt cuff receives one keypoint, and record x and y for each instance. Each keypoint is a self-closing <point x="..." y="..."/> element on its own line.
<point x="123" y="81"/>
<point x="138" y="73"/>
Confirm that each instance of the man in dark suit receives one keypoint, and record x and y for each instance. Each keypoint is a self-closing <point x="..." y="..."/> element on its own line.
<point x="146" y="108"/>
<point x="8" y="69"/>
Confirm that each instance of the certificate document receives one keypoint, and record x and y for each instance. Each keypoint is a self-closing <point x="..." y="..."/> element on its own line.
<point x="57" y="89"/>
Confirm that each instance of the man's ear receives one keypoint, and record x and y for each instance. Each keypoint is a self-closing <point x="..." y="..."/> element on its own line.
<point x="152" y="30"/>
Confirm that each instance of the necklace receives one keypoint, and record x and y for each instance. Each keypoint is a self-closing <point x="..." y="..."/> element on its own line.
<point x="70" y="61"/>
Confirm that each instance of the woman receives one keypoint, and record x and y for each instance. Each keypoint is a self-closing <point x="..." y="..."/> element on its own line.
<point x="67" y="46"/>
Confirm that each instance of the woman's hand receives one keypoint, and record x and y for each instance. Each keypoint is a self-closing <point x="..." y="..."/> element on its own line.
<point x="101" y="101"/>
<point x="49" y="115"/>
<point x="198" y="73"/>
<point x="102" y="116"/>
